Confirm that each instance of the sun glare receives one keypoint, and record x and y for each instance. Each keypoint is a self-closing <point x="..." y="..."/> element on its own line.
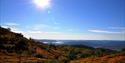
<point x="42" y="3"/>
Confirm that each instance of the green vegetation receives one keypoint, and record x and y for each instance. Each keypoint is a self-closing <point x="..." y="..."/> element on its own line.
<point x="15" y="47"/>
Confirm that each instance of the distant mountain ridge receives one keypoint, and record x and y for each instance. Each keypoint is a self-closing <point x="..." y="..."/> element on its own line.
<point x="109" y="44"/>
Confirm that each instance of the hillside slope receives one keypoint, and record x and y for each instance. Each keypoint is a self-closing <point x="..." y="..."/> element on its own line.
<point x="16" y="48"/>
<point x="114" y="58"/>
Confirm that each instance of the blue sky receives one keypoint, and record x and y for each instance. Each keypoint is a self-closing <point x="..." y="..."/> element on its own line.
<point x="65" y="19"/>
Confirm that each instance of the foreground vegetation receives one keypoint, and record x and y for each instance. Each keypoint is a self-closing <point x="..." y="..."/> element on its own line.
<point x="16" y="48"/>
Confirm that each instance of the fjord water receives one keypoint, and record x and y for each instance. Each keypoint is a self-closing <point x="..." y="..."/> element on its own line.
<point x="108" y="44"/>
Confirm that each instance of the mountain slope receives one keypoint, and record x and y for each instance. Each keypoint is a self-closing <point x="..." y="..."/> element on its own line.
<point x="16" y="48"/>
<point x="114" y="58"/>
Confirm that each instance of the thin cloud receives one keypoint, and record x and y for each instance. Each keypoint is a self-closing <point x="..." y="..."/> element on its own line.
<point x="11" y="24"/>
<point x="121" y="28"/>
<point x="13" y="29"/>
<point x="40" y="26"/>
<point x="41" y="32"/>
<point x="105" y="31"/>
<point x="43" y="27"/>
<point x="56" y="23"/>
<point x="64" y="36"/>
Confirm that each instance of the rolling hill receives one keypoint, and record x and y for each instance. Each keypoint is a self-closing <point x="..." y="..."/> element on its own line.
<point x="14" y="48"/>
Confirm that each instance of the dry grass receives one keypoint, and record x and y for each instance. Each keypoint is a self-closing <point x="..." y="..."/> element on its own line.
<point x="114" y="58"/>
<point x="11" y="58"/>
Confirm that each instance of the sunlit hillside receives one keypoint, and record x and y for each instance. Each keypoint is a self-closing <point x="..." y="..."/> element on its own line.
<point x="114" y="58"/>
<point x="16" y="48"/>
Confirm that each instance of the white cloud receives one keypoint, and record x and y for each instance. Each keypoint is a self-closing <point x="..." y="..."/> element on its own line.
<point x="11" y="24"/>
<point x="4" y="26"/>
<point x="105" y="31"/>
<point x="63" y="36"/>
<point x="38" y="27"/>
<point x="42" y="27"/>
<point x="38" y="34"/>
<point x="13" y="29"/>
<point x="121" y="28"/>
<point x="41" y="32"/>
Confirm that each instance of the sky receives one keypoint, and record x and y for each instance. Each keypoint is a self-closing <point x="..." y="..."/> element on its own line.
<point x="65" y="19"/>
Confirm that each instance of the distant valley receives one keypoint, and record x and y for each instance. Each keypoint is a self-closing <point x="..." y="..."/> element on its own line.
<point x="108" y="44"/>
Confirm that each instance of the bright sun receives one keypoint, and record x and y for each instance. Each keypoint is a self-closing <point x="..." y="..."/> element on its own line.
<point x="42" y="3"/>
